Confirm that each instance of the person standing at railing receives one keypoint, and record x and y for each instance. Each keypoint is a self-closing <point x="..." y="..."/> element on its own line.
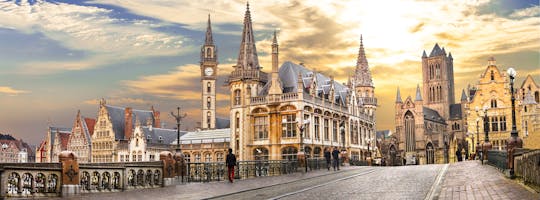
<point x="231" y="162"/>
<point x="328" y="157"/>
<point x="335" y="155"/>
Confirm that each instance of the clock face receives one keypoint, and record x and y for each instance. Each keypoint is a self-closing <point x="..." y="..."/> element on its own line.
<point x="208" y="71"/>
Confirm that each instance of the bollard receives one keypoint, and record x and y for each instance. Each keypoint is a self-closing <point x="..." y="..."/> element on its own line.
<point x="70" y="174"/>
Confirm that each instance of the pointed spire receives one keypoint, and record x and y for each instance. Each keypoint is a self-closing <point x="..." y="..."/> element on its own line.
<point x="418" y="93"/>
<point x="362" y="75"/>
<point x="209" y="39"/>
<point x="491" y="61"/>
<point x="463" y="96"/>
<point x="274" y="41"/>
<point x="247" y="57"/>
<point x="436" y="50"/>
<point x="450" y="56"/>
<point x="424" y="55"/>
<point x="398" y="96"/>
<point x="275" y="87"/>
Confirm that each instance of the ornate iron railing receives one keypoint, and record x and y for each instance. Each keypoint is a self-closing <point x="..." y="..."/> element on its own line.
<point x="498" y="159"/>
<point x="217" y="171"/>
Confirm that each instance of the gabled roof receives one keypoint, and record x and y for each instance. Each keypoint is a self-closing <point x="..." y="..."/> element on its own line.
<point x="289" y="74"/>
<point x="432" y="115"/>
<point x="153" y="135"/>
<point x="117" y="116"/>
<point x="90" y="123"/>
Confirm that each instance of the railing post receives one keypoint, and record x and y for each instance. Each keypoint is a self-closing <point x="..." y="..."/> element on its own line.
<point x="168" y="167"/>
<point x="70" y="174"/>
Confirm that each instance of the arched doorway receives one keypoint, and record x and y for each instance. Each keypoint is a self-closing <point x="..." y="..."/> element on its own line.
<point x="430" y="154"/>
<point x="393" y="152"/>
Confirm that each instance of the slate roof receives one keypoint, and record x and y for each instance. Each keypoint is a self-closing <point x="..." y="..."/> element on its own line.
<point x="288" y="75"/>
<point x="117" y="116"/>
<point x="436" y="51"/>
<point x="222" y="123"/>
<point x="455" y="111"/>
<point x="433" y="115"/>
<point x="206" y="136"/>
<point x="153" y="135"/>
<point x="6" y="137"/>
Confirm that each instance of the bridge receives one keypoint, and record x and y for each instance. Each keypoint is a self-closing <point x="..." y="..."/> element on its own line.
<point x="259" y="180"/>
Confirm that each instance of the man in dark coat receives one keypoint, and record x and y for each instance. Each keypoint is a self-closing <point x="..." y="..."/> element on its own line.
<point x="230" y="162"/>
<point x="328" y="158"/>
<point x="335" y="156"/>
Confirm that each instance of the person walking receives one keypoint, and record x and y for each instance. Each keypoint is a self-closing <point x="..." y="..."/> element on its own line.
<point x="230" y="162"/>
<point x="335" y="155"/>
<point x="328" y="158"/>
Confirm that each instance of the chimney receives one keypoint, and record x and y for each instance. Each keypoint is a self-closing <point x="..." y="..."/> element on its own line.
<point x="157" y="121"/>
<point x="128" y="124"/>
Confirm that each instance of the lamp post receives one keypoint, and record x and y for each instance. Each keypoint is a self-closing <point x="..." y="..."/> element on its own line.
<point x="178" y="118"/>
<point x="477" y="138"/>
<point x="486" y="145"/>
<point x="514" y="141"/>
<point x="302" y="153"/>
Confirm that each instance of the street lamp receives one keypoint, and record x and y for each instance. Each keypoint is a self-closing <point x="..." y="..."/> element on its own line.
<point x="514" y="141"/>
<point x="302" y="153"/>
<point x="486" y="145"/>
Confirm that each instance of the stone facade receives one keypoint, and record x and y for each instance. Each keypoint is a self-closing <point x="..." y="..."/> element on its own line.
<point x="146" y="144"/>
<point x="80" y="142"/>
<point x="14" y="151"/>
<point x="529" y="112"/>
<point x="48" y="150"/>
<point x="209" y="71"/>
<point x="266" y="115"/>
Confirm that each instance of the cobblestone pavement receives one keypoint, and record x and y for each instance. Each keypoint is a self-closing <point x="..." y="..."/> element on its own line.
<point x="464" y="180"/>
<point x="471" y="180"/>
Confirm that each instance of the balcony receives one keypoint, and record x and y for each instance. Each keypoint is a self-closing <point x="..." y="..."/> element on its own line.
<point x="253" y="74"/>
<point x="368" y="100"/>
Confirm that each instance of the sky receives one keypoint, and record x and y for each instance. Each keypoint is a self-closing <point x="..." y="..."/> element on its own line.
<point x="57" y="57"/>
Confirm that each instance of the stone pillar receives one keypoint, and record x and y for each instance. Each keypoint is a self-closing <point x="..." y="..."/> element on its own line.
<point x="168" y="167"/>
<point x="70" y="174"/>
<point x="180" y="166"/>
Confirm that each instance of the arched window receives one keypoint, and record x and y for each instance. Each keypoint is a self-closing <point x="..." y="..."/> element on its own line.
<point x="289" y="153"/>
<point x="219" y="157"/>
<point x="208" y="119"/>
<point x="208" y="102"/>
<point x="260" y="153"/>
<point x="438" y="71"/>
<point x="237" y="95"/>
<point x="493" y="103"/>
<point x="237" y="120"/>
<point x="537" y="97"/>
<point x="208" y="87"/>
<point x="410" y="132"/>
<point x="207" y="157"/>
<point x="208" y="52"/>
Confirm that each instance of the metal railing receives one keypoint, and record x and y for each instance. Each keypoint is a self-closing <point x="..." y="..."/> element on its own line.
<point x="217" y="171"/>
<point x="498" y="159"/>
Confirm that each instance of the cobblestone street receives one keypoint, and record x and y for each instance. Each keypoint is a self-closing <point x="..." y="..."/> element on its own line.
<point x="464" y="180"/>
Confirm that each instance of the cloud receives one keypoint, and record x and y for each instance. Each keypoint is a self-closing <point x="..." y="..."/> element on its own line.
<point x="119" y="101"/>
<point x="526" y="12"/>
<point x="11" y="92"/>
<point x="106" y="39"/>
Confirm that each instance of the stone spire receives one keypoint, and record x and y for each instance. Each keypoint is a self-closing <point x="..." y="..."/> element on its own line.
<point x="418" y="93"/>
<point x="209" y="39"/>
<point x="275" y="87"/>
<point x="247" y="58"/>
<point x="362" y="75"/>
<point x="424" y="55"/>
<point x="398" y="96"/>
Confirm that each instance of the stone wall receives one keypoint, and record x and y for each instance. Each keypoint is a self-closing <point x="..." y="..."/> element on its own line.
<point x="527" y="167"/>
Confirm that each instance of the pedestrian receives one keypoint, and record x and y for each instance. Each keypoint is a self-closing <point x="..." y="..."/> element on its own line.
<point x="335" y="155"/>
<point x="231" y="162"/>
<point x="328" y="157"/>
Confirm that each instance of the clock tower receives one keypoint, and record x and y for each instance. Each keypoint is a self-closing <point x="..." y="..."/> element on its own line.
<point x="208" y="80"/>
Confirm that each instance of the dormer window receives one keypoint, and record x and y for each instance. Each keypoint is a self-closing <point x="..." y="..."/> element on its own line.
<point x="160" y="140"/>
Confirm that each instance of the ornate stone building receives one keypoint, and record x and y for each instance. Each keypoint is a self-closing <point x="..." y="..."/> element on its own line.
<point x="80" y="139"/>
<point x="430" y="127"/>
<point x="48" y="148"/>
<point x="266" y="114"/>
<point x="14" y="151"/>
<point x="530" y="113"/>
<point x="114" y="125"/>
<point x="146" y="144"/>
<point x="206" y="145"/>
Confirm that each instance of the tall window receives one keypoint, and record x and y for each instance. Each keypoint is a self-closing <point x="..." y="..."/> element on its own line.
<point x="219" y="157"/>
<point x="197" y="157"/>
<point x="208" y="52"/>
<point x="288" y="125"/>
<point x="316" y="128"/>
<point x="494" y="124"/>
<point x="306" y="127"/>
<point x="207" y="157"/>
<point x="334" y="131"/>
<point x="326" y="130"/>
<point x="208" y="87"/>
<point x="493" y="103"/>
<point x="438" y="71"/>
<point x="261" y="128"/>
<point x="503" y="123"/>
<point x="237" y="120"/>
<point x="208" y="119"/>
<point x="409" y="132"/>
<point x="289" y="153"/>
<point x="208" y="102"/>
<point x="492" y="75"/>
<point x="237" y="95"/>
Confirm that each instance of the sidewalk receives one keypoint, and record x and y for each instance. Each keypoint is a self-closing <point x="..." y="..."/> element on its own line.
<point x="207" y="190"/>
<point x="471" y="180"/>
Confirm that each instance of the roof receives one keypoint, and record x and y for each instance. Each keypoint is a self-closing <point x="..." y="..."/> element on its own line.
<point x="383" y="134"/>
<point x="64" y="139"/>
<point x="437" y="51"/>
<point x="432" y="115"/>
<point x="54" y="130"/>
<point x="455" y="111"/>
<point x="206" y="136"/>
<point x="6" y="137"/>
<point x="289" y="74"/>
<point x="117" y="116"/>
<point x="222" y="123"/>
<point x="90" y="123"/>
<point x="160" y="135"/>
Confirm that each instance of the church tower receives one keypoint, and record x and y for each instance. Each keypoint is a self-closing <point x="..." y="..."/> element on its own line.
<point x="208" y="80"/>
<point x="245" y="81"/>
<point x="438" y="80"/>
<point x="363" y="82"/>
